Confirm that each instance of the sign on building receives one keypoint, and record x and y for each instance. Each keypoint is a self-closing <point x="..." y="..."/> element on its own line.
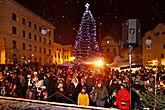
<point x="131" y="32"/>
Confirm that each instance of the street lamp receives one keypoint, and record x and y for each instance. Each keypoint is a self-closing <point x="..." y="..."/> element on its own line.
<point x="149" y="43"/>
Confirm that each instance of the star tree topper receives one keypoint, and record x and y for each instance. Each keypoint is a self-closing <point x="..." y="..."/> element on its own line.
<point x="87" y="6"/>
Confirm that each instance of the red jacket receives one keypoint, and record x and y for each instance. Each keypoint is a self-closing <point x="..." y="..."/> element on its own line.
<point x="123" y="99"/>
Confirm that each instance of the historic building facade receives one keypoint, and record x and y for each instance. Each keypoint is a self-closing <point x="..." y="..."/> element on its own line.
<point x="109" y="48"/>
<point x="154" y="46"/>
<point x="63" y="53"/>
<point x="25" y="36"/>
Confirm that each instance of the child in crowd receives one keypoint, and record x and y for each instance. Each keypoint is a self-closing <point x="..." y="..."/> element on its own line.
<point x="83" y="98"/>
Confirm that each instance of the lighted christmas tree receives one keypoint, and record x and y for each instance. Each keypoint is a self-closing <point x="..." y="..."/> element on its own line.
<point x="86" y="45"/>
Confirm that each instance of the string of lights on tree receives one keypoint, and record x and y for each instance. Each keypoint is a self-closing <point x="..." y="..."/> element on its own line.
<point x="85" y="42"/>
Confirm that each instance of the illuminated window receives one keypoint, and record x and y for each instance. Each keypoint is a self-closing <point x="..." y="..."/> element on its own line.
<point x="108" y="42"/>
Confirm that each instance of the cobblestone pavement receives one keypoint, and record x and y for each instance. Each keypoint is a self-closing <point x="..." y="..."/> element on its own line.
<point x="7" y="103"/>
<point x="18" y="105"/>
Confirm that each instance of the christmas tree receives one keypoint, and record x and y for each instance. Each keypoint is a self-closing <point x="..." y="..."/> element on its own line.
<point x="86" y="45"/>
<point x="148" y="99"/>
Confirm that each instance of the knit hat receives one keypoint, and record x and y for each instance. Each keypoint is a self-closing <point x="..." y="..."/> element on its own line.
<point x="124" y="85"/>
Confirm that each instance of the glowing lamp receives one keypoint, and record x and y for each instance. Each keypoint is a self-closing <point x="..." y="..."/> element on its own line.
<point x="99" y="62"/>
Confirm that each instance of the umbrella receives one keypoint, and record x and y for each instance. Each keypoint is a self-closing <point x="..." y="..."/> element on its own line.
<point x="67" y="64"/>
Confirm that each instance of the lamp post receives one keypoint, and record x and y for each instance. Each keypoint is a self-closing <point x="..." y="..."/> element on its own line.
<point x="149" y="43"/>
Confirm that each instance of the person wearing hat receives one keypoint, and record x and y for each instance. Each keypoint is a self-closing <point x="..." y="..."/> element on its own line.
<point x="123" y="98"/>
<point x="101" y="94"/>
<point x="83" y="98"/>
<point x="43" y="94"/>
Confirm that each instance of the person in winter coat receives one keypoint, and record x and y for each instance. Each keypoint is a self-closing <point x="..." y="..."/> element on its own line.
<point x="30" y="93"/>
<point x="74" y="89"/>
<point x="101" y="94"/>
<point x="43" y="94"/>
<point x="123" y="98"/>
<point x="83" y="98"/>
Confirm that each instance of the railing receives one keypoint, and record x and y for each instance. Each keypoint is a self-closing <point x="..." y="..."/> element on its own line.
<point x="55" y="104"/>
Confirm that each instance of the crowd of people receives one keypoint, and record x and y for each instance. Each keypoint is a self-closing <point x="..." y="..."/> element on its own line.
<point x="80" y="84"/>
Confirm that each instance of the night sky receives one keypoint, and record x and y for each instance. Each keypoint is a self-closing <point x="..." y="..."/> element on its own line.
<point x="66" y="15"/>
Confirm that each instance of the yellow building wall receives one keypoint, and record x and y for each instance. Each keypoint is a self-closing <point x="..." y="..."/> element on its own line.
<point x="157" y="49"/>
<point x="7" y="7"/>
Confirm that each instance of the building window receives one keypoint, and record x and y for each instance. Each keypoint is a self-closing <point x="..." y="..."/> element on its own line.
<point x="102" y="50"/>
<point x="49" y="51"/>
<point x="14" y="17"/>
<point x="58" y="56"/>
<point x="108" y="50"/>
<point x="108" y="42"/>
<point x="40" y="59"/>
<point x="149" y="47"/>
<point x="14" y="44"/>
<point x="49" y="33"/>
<point x="163" y="33"/>
<point x="44" y="50"/>
<point x="55" y="56"/>
<point x="157" y="33"/>
<point x="14" y="30"/>
<point x="149" y="37"/>
<point x="23" y="33"/>
<point x="35" y="48"/>
<point x="23" y="21"/>
<point x="67" y="57"/>
<point x="35" y="59"/>
<point x="30" y="35"/>
<point x="49" y="42"/>
<point x="35" y="37"/>
<point x="35" y="26"/>
<point x="162" y="55"/>
<point x="40" y="50"/>
<point x="30" y="24"/>
<point x="30" y="47"/>
<point x="39" y="28"/>
<point x="164" y="46"/>
<point x="149" y="55"/>
<point x="40" y="39"/>
<point x="44" y="40"/>
<point x="23" y="46"/>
